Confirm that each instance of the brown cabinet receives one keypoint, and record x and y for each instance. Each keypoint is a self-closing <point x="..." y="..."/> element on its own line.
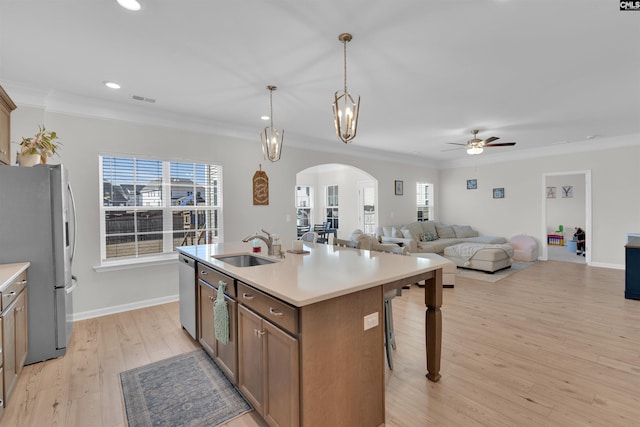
<point x="268" y="361"/>
<point x="6" y="106"/>
<point x="14" y="332"/>
<point x="225" y="355"/>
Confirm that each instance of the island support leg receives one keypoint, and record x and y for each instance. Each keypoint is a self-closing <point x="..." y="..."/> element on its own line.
<point x="433" y="324"/>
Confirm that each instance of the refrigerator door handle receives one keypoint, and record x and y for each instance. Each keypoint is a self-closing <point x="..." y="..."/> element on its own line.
<point x="75" y="223"/>
<point x="71" y="288"/>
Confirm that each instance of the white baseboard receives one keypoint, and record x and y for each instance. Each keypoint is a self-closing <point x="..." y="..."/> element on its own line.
<point x="125" y="307"/>
<point x="605" y="265"/>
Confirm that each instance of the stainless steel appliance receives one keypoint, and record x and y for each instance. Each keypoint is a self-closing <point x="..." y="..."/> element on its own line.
<point x="37" y="224"/>
<point x="187" y="293"/>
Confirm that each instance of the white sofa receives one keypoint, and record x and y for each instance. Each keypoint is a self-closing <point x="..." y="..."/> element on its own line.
<point x="432" y="236"/>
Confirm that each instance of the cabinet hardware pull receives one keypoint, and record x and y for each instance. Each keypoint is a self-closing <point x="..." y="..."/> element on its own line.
<point x="22" y="282"/>
<point x="259" y="333"/>
<point x="19" y="309"/>
<point x="204" y="273"/>
<point x="247" y="296"/>
<point x="211" y="298"/>
<point x="12" y="294"/>
<point x="276" y="313"/>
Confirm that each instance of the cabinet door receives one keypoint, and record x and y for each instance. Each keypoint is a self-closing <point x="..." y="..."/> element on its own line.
<point x="206" y="334"/>
<point x="9" y="351"/>
<point x="226" y="354"/>
<point x="282" y="377"/>
<point x="250" y="358"/>
<point x="22" y="342"/>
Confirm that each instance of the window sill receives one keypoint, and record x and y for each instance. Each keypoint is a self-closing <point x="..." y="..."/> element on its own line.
<point x="136" y="263"/>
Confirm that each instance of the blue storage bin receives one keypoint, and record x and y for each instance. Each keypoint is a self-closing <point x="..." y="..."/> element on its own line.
<point x="572" y="245"/>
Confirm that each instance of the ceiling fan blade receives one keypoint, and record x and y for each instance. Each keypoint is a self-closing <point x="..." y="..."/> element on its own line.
<point x="452" y="149"/>
<point x="490" y="139"/>
<point x="457" y="143"/>
<point x="501" y="144"/>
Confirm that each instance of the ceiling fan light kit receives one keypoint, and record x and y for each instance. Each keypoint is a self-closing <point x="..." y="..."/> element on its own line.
<point x="272" y="140"/>
<point x="345" y="108"/>
<point x="476" y="145"/>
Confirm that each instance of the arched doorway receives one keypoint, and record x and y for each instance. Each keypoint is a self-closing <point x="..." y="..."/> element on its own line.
<point x="341" y="195"/>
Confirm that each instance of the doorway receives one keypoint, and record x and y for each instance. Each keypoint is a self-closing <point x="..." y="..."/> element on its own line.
<point x="342" y="195"/>
<point x="566" y="206"/>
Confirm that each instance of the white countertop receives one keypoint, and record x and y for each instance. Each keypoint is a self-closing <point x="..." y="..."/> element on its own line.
<point x="9" y="272"/>
<point x="326" y="272"/>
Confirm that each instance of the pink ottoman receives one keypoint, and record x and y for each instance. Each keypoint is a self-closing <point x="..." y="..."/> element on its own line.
<point x="525" y="248"/>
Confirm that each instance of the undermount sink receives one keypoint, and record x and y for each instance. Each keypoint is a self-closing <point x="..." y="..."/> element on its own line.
<point x="244" y="260"/>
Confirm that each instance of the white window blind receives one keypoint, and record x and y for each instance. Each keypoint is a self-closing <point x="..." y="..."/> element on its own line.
<point x="424" y="201"/>
<point x="150" y="206"/>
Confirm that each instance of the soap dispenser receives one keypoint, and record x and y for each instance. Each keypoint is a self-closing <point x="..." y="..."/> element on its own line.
<point x="277" y="246"/>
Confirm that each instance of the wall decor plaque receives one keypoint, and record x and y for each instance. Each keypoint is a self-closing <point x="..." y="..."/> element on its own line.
<point x="260" y="187"/>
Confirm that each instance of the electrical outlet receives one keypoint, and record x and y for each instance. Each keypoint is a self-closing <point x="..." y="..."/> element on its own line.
<point x="370" y="320"/>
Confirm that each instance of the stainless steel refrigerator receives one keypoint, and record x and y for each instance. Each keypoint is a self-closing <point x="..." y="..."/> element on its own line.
<point x="37" y="224"/>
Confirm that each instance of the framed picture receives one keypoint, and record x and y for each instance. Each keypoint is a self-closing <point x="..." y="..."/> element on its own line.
<point x="472" y="184"/>
<point x="567" y="191"/>
<point x="498" y="193"/>
<point x="551" y="192"/>
<point x="399" y="187"/>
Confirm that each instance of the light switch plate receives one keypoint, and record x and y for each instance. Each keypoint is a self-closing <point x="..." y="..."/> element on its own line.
<point x="370" y="320"/>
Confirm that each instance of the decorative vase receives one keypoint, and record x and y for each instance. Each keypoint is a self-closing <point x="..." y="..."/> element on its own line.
<point x="28" y="159"/>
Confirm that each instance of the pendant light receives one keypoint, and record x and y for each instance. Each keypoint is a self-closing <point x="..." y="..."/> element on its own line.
<point x="272" y="140"/>
<point x="345" y="109"/>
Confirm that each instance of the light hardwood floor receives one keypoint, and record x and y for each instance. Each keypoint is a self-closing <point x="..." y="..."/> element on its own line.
<point x="554" y="345"/>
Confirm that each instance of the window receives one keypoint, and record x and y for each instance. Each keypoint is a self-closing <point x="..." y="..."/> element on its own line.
<point x="149" y="207"/>
<point x="424" y="201"/>
<point x="332" y="206"/>
<point x="368" y="220"/>
<point x="304" y="198"/>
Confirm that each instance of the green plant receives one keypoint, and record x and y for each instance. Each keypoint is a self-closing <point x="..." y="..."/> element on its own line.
<point x="43" y="143"/>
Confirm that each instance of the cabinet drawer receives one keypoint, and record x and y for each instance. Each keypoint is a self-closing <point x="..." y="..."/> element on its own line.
<point x="270" y="308"/>
<point x="10" y="293"/>
<point x="212" y="277"/>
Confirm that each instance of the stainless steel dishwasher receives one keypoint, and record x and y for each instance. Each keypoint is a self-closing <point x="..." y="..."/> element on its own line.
<point x="187" y="293"/>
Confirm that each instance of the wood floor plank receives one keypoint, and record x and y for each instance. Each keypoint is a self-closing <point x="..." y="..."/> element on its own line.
<point x="553" y="345"/>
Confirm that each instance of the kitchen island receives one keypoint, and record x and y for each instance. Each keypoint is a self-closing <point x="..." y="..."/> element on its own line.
<point x="308" y="328"/>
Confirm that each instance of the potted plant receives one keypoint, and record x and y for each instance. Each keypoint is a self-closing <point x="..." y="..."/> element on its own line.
<point x="38" y="148"/>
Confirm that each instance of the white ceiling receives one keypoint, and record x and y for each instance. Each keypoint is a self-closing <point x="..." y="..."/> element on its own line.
<point x="543" y="72"/>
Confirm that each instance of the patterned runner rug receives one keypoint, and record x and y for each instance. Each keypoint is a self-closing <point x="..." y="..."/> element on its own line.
<point x="185" y="390"/>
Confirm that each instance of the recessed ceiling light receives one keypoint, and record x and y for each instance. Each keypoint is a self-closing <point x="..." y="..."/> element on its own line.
<point x="264" y="117"/>
<point x="129" y="4"/>
<point x="112" y="85"/>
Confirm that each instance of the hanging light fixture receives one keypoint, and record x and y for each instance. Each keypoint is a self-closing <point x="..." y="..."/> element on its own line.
<point x="474" y="149"/>
<point x="272" y="140"/>
<point x="345" y="109"/>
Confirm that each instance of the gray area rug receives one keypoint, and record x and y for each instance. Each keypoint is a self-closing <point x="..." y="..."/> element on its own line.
<point x="185" y="390"/>
<point x="495" y="277"/>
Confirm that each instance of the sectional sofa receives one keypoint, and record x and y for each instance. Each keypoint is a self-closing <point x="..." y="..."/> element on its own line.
<point x="432" y="236"/>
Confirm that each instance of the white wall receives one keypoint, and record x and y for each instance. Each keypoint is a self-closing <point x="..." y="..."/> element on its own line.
<point x="615" y="173"/>
<point x="85" y="138"/>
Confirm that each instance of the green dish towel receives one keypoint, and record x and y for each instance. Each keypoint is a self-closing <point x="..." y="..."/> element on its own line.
<point x="221" y="315"/>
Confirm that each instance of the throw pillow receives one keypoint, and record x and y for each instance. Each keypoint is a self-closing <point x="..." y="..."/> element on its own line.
<point x="445" y="231"/>
<point x="406" y="234"/>
<point x="429" y="236"/>
<point x="464" y="231"/>
<point x="396" y="232"/>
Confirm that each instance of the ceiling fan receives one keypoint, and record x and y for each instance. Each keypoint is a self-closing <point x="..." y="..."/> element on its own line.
<point x="477" y="145"/>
